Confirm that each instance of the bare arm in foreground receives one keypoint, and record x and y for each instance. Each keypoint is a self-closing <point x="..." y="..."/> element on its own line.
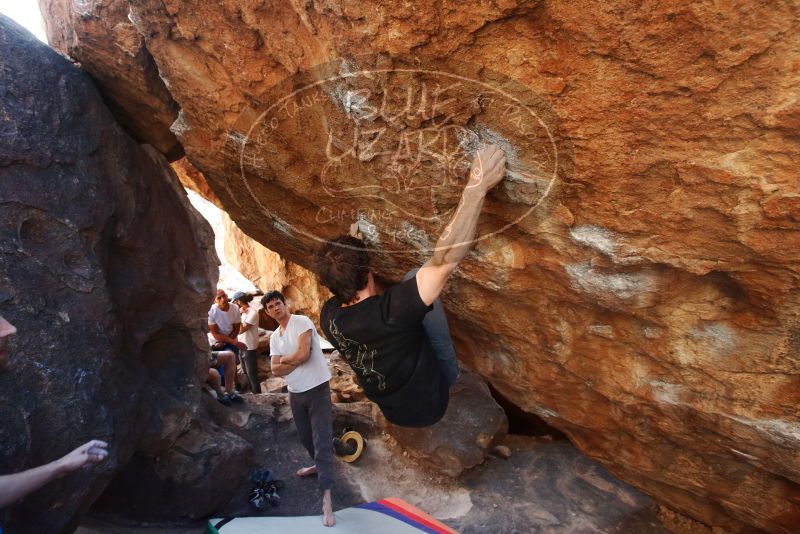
<point x="15" y="486"/>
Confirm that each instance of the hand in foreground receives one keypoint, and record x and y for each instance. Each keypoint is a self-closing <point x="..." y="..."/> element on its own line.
<point x="488" y="168"/>
<point x="93" y="451"/>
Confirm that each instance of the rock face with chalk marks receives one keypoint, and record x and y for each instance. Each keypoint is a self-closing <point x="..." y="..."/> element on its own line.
<point x="636" y="278"/>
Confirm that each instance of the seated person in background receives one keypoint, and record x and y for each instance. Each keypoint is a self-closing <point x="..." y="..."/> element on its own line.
<point x="17" y="485"/>
<point x="225" y="360"/>
<point x="248" y="332"/>
<point x="224" y="321"/>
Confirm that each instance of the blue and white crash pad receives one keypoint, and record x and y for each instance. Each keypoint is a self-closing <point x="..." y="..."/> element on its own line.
<point x="387" y="516"/>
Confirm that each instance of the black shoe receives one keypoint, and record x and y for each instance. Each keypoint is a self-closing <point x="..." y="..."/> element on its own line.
<point x="235" y="397"/>
<point x="257" y="498"/>
<point x="272" y="497"/>
<point x="224" y="399"/>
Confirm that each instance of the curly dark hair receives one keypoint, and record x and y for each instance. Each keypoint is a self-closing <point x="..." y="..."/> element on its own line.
<point x="272" y="295"/>
<point x="343" y="265"/>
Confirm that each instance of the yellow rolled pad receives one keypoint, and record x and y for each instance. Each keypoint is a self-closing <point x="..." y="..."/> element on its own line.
<point x="353" y="436"/>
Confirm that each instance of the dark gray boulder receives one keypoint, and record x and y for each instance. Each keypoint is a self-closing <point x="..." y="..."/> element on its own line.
<point x="107" y="272"/>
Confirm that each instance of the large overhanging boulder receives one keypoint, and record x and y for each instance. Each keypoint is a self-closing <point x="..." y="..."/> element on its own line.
<point x="107" y="272"/>
<point x="125" y="72"/>
<point x="644" y="296"/>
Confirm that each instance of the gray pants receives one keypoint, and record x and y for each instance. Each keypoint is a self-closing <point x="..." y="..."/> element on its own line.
<point x="435" y="323"/>
<point x="313" y="417"/>
<point x="250" y="364"/>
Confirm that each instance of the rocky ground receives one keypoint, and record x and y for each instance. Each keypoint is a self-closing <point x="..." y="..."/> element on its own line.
<point x="546" y="485"/>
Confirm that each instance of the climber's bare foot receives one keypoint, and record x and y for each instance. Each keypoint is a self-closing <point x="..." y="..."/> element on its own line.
<point x="307" y="471"/>
<point x="327" y="510"/>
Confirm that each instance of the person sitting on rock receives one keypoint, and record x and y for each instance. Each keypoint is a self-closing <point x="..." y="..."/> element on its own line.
<point x="248" y="331"/>
<point x="17" y="485"/>
<point x="397" y="343"/>
<point x="222" y="363"/>
<point x="224" y="321"/>
<point x="296" y="355"/>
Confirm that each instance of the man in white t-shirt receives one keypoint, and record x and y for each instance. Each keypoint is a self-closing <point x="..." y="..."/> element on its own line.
<point x="224" y="321"/>
<point x="295" y="354"/>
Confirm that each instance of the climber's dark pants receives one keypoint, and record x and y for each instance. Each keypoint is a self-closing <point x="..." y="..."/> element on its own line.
<point x="435" y="324"/>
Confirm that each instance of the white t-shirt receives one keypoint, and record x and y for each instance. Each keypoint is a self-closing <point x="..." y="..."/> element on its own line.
<point x="224" y="319"/>
<point x="250" y="337"/>
<point x="315" y="370"/>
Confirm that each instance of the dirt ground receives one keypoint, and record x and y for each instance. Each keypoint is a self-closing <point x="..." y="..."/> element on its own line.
<point x="546" y="486"/>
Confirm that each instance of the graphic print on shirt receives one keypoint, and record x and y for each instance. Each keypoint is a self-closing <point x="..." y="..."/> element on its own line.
<point x="359" y="356"/>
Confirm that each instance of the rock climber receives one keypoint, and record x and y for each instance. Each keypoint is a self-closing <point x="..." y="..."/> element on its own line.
<point x="397" y="342"/>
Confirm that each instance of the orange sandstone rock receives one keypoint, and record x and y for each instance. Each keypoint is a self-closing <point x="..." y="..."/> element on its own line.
<point x="194" y="180"/>
<point x="643" y="297"/>
<point x="268" y="271"/>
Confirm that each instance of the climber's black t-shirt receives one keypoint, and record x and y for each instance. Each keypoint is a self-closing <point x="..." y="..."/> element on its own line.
<point x="383" y="340"/>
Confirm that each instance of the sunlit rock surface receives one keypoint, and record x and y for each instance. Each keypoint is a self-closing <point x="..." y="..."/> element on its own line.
<point x="268" y="271"/>
<point x="264" y="269"/>
<point x="644" y="296"/>
<point x="193" y="180"/>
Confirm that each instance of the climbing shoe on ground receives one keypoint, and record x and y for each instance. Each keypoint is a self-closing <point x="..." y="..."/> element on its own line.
<point x="265" y="489"/>
<point x="257" y="498"/>
<point x="224" y="399"/>
<point x="260" y="497"/>
<point x="235" y="397"/>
